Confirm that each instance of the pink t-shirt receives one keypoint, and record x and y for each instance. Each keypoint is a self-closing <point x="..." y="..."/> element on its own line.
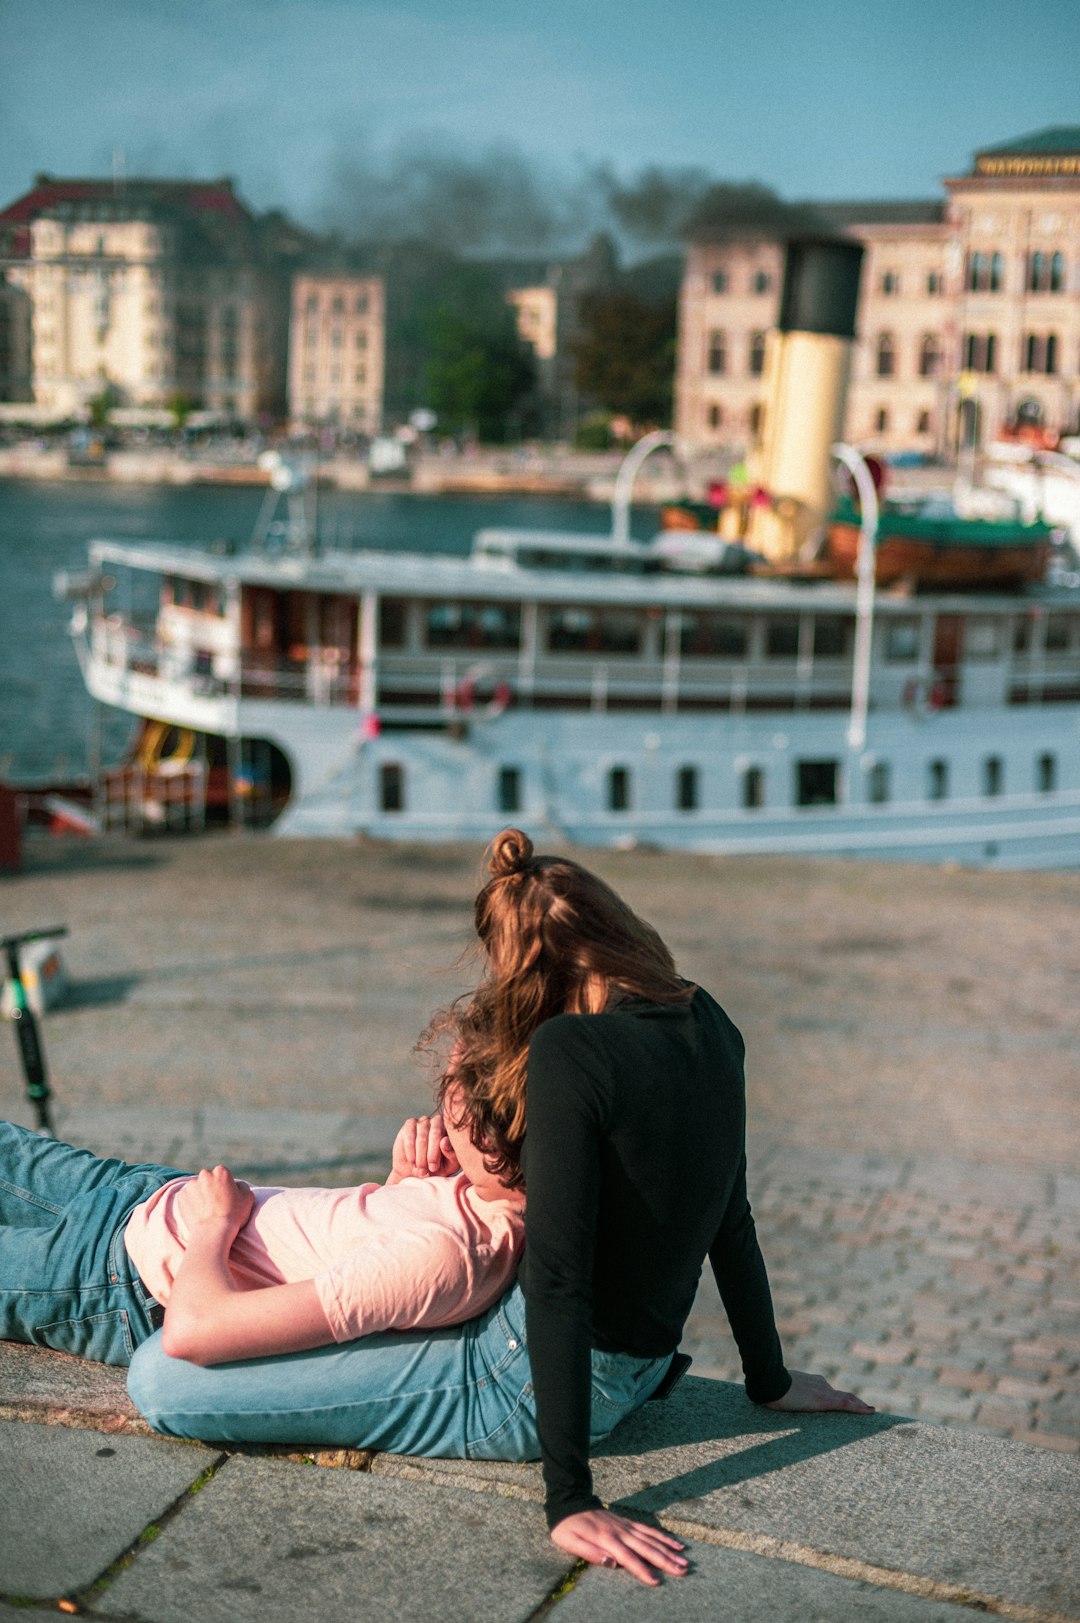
<point x="413" y="1255"/>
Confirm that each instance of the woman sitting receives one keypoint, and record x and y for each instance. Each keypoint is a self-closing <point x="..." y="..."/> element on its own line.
<point x="587" y="1070"/>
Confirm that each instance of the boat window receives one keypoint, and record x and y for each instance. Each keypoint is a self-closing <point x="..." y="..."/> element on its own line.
<point x="937" y="780"/>
<point x="686" y="789"/>
<point x="594" y="631"/>
<point x="391" y="622"/>
<point x="619" y="789"/>
<point x="753" y="788"/>
<point x="713" y="635"/>
<point x="392" y="786"/>
<point x="1057" y="633"/>
<point x="1021" y="637"/>
<point x="782" y="637"/>
<point x="902" y="639"/>
<point x="473" y="625"/>
<point x="509" y="789"/>
<point x="993" y="775"/>
<point x="877" y="783"/>
<point x="982" y="639"/>
<point x="1046" y="774"/>
<point x="832" y="635"/>
<point x="816" y="783"/>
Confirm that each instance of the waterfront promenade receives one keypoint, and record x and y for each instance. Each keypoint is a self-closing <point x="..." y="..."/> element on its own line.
<point x="912" y="1037"/>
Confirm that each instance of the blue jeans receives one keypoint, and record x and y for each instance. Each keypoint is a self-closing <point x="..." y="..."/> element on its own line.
<point x="66" y="1280"/>
<point x="460" y="1393"/>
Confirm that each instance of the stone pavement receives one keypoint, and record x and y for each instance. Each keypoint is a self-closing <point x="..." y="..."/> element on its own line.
<point x="790" y="1518"/>
<point x="915" y="1170"/>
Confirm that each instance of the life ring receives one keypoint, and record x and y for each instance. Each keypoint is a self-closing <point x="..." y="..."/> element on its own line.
<point x="925" y="695"/>
<point x="468" y="698"/>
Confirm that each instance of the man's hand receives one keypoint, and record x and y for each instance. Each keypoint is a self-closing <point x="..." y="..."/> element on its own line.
<point x="614" y="1541"/>
<point x="216" y="1197"/>
<point x="422" y="1150"/>
<point x="809" y="1394"/>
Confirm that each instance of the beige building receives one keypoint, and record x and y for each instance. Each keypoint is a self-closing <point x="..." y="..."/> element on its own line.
<point x="151" y="290"/>
<point x="337" y="334"/>
<point x="969" y="311"/>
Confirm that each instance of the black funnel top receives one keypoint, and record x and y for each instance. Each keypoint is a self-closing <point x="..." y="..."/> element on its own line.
<point x="821" y="287"/>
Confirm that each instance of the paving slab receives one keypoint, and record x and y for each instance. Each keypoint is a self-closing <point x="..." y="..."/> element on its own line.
<point x="58" y="1389"/>
<point x="999" y="1519"/>
<point x="71" y="1502"/>
<point x="734" y="1584"/>
<point x="269" y="1543"/>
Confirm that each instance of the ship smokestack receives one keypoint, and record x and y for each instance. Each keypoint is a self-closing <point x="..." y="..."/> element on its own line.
<point x="807" y="366"/>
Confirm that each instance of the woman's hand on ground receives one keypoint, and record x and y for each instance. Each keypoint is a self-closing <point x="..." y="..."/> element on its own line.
<point x="215" y="1196"/>
<point x="422" y="1150"/>
<point x="614" y="1541"/>
<point x="812" y="1393"/>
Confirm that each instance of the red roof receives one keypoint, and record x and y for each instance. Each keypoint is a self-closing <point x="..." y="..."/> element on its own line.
<point x="196" y="196"/>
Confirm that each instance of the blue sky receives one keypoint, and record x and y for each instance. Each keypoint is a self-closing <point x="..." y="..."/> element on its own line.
<point x="840" y="98"/>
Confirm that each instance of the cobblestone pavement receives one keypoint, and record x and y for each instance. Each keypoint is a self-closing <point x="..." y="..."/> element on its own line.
<point x="912" y="1041"/>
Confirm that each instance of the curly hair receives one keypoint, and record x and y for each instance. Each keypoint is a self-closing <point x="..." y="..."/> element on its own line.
<point x="555" y="939"/>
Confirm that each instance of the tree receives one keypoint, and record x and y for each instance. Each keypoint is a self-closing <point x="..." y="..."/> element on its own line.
<point x="625" y="356"/>
<point x="479" y="376"/>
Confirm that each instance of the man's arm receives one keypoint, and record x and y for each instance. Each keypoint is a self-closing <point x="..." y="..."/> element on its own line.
<point x="209" y="1318"/>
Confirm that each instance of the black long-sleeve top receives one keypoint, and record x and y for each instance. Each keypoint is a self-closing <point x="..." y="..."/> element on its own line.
<point x="635" y="1171"/>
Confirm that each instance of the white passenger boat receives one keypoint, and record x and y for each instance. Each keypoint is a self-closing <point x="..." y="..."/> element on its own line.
<point x="609" y="693"/>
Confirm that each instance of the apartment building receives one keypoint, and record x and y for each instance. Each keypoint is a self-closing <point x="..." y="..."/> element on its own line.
<point x="969" y="310"/>
<point x="154" y="291"/>
<point x="337" y="340"/>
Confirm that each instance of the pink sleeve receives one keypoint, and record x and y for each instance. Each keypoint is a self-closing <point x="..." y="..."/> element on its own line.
<point x="418" y="1279"/>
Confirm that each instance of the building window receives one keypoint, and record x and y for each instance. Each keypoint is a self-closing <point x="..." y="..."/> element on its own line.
<point x="753" y="788"/>
<point x="361" y="340"/>
<point x="980" y="352"/>
<point x="816" y="783"/>
<point x="1045" y="272"/>
<point x="881" y="421"/>
<point x="1041" y="353"/>
<point x="934" y="282"/>
<point x="715" y="415"/>
<point x="983" y="273"/>
<point x="923" y="423"/>
<point x="717" y="358"/>
<point x="686" y="789"/>
<point x="877" y="783"/>
<point x="312" y="304"/>
<point x="619" y="789"/>
<point x="509" y="789"/>
<point x="929" y="355"/>
<point x="886" y="355"/>
<point x="755" y="417"/>
<point x="360" y="308"/>
<point x="360" y="375"/>
<point x="338" y="306"/>
<point x="890" y="282"/>
<point x="1046" y="774"/>
<point x="720" y="281"/>
<point x="993" y="775"/>
<point x="757" y="354"/>
<point x="391" y="622"/>
<point x="762" y="281"/>
<point x="937" y="780"/>
<point x="392" y="786"/>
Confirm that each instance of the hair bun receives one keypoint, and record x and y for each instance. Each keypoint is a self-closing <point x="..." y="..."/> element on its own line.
<point x="511" y="852"/>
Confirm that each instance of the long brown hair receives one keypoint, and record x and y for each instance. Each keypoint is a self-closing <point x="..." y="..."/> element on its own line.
<point x="555" y="939"/>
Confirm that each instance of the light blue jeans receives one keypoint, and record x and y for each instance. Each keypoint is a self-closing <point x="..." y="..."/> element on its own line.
<point x="66" y="1280"/>
<point x="460" y="1393"/>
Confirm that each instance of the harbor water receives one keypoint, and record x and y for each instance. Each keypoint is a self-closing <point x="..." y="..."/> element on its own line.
<point x="45" y="713"/>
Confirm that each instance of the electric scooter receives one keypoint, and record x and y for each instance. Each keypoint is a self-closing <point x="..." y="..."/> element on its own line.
<point x="27" y="1030"/>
